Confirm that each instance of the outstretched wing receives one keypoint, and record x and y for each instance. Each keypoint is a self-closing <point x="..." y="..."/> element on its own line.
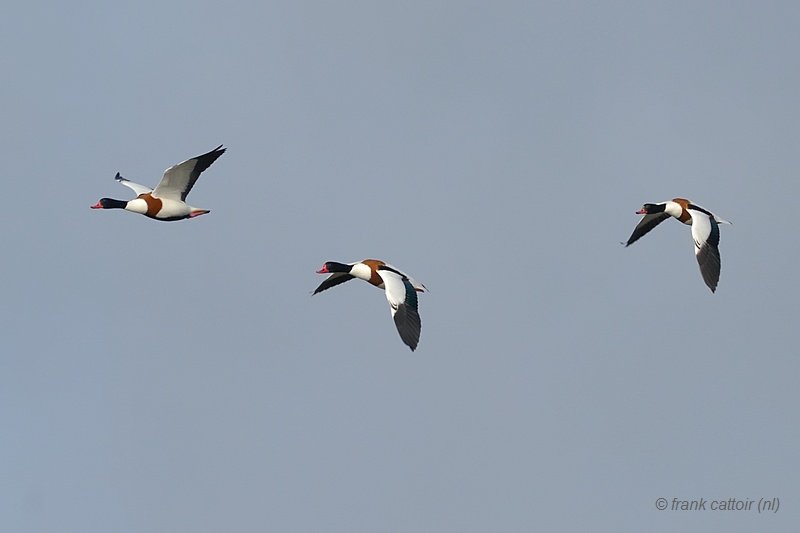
<point x="178" y="180"/>
<point x="402" y="299"/>
<point x="647" y="223"/>
<point x="705" y="232"/>
<point x="138" y="189"/>
<point x="337" y="278"/>
<point x="419" y="287"/>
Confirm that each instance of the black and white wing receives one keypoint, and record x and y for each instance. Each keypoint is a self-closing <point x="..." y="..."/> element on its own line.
<point x="705" y="232"/>
<point x="179" y="179"/>
<point x="419" y="287"/>
<point x="402" y="298"/>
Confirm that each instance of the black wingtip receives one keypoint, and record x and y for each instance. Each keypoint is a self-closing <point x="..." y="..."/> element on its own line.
<point x="408" y="323"/>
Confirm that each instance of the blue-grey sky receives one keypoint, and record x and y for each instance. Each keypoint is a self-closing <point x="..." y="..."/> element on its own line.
<point x="180" y="377"/>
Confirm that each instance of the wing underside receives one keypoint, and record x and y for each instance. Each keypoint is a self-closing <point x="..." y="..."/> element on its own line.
<point x="337" y="278"/>
<point x="647" y="223"/>
<point x="403" y="301"/>
<point x="705" y="232"/>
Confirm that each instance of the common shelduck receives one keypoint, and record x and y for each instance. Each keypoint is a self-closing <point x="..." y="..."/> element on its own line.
<point x="400" y="289"/>
<point x="705" y="232"/>
<point x="166" y="201"/>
